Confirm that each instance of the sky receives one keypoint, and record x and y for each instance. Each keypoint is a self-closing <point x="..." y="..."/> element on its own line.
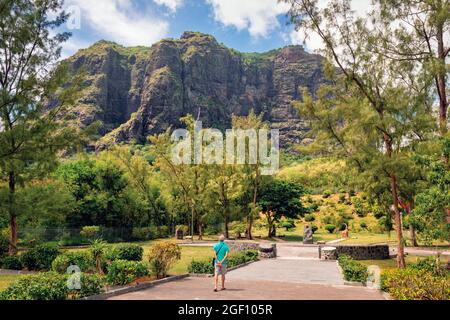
<point x="244" y="25"/>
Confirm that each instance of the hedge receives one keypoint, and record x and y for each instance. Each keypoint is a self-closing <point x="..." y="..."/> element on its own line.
<point x="353" y="270"/>
<point x="82" y="259"/>
<point x="52" y="286"/>
<point x="206" y="267"/>
<point x="40" y="257"/>
<point x="121" y="272"/>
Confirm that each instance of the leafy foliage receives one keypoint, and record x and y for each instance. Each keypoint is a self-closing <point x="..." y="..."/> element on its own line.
<point x="121" y="272"/>
<point x="162" y="256"/>
<point x="415" y="284"/>
<point x="40" y="257"/>
<point x="353" y="270"/>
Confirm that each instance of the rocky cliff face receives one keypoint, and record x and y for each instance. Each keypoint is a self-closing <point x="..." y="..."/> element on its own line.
<point x="139" y="91"/>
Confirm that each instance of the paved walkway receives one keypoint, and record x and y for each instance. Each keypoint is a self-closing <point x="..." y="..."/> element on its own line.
<point x="297" y="274"/>
<point x="201" y="289"/>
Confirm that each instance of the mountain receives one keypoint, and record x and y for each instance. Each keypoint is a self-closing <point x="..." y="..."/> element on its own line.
<point x="138" y="91"/>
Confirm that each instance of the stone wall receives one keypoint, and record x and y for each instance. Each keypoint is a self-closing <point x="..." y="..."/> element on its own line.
<point x="362" y="252"/>
<point x="236" y="246"/>
<point x="266" y="250"/>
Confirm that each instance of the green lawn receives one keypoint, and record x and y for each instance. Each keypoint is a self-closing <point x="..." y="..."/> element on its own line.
<point x="6" y="280"/>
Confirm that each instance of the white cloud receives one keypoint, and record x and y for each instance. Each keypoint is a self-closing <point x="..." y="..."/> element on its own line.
<point x="312" y="40"/>
<point x="172" y="5"/>
<point x="258" y="16"/>
<point x="120" y="21"/>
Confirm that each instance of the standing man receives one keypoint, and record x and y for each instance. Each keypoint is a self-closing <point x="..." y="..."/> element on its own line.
<point x="221" y="253"/>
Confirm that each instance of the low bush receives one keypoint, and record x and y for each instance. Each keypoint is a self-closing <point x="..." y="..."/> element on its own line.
<point x="90" y="232"/>
<point x="43" y="286"/>
<point x="162" y="257"/>
<point x="121" y="272"/>
<point x="285" y="223"/>
<point x="328" y="220"/>
<point x="130" y="252"/>
<point x="201" y="267"/>
<point x="314" y="228"/>
<point x="163" y="232"/>
<point x="82" y="259"/>
<point x="40" y="257"/>
<point x="327" y="194"/>
<point x="144" y="234"/>
<point x="11" y="263"/>
<point x="52" y="286"/>
<point x="252" y="255"/>
<point x="205" y="267"/>
<point x="91" y="285"/>
<point x="4" y="243"/>
<point x="310" y="218"/>
<point x="415" y="284"/>
<point x="431" y="265"/>
<point x="353" y="270"/>
<point x="330" y="228"/>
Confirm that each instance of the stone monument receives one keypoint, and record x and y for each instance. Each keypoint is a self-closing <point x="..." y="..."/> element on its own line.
<point x="179" y="234"/>
<point x="307" y="235"/>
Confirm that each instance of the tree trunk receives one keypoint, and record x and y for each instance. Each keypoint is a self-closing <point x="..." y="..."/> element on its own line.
<point x="397" y="215"/>
<point x="248" y="231"/>
<point x="270" y="225"/>
<point x="255" y="198"/>
<point x="398" y="222"/>
<point x="225" y="220"/>
<point x="200" y="231"/>
<point x="441" y="82"/>
<point x="12" y="214"/>
<point x="412" y="235"/>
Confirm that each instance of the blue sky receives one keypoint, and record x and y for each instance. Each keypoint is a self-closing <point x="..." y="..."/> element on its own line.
<point x="245" y="25"/>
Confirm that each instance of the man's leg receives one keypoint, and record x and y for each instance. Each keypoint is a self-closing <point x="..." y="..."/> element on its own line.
<point x="224" y="272"/>
<point x="216" y="280"/>
<point x="223" y="280"/>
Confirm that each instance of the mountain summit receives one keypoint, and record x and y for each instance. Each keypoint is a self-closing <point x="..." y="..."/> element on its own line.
<point x="139" y="91"/>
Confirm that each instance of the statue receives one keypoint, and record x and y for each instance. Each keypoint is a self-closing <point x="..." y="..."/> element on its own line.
<point x="345" y="232"/>
<point x="308" y="235"/>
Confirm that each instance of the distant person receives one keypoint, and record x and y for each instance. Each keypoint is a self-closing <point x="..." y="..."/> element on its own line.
<point x="221" y="253"/>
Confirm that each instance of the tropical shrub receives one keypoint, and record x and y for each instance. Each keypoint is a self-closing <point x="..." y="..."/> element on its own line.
<point x="353" y="270"/>
<point x="4" y="243"/>
<point x="328" y="220"/>
<point x="82" y="259"/>
<point x="162" y="256"/>
<point x="11" y="263"/>
<point x="327" y="194"/>
<point x="163" y="231"/>
<point x="42" y="286"/>
<point x="40" y="257"/>
<point x="415" y="284"/>
<point x="360" y="208"/>
<point x="52" y="286"/>
<point x="90" y="232"/>
<point x="205" y="267"/>
<point x="97" y="250"/>
<point x="310" y="218"/>
<point x="130" y="252"/>
<point x="121" y="272"/>
<point x="201" y="267"/>
<point x="287" y="224"/>
<point x="429" y="264"/>
<point x="144" y="234"/>
<point x="330" y="228"/>
<point x="91" y="285"/>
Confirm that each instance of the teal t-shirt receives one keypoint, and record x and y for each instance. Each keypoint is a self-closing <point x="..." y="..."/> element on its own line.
<point x="221" y="249"/>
